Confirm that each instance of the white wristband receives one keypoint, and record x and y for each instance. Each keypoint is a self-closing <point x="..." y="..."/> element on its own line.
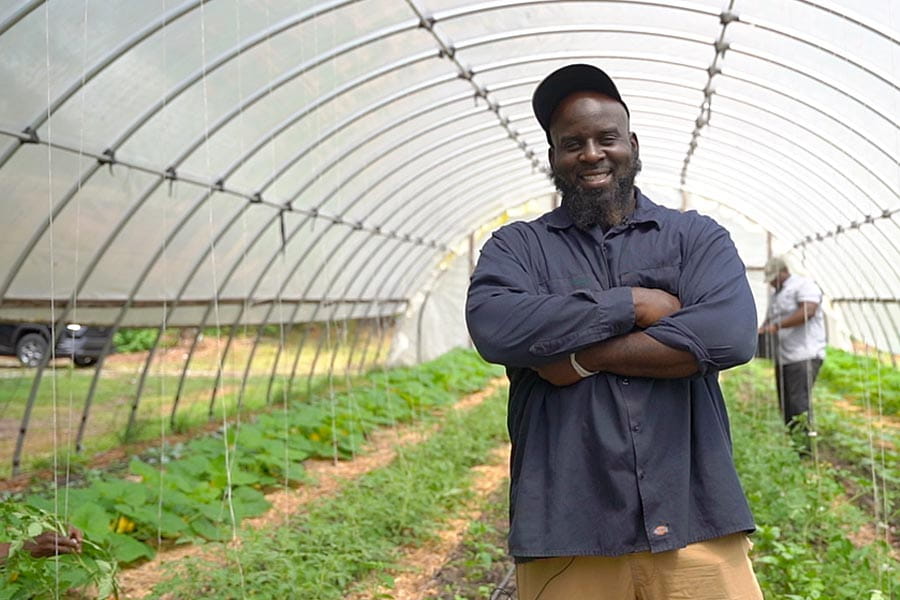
<point x="579" y="369"/>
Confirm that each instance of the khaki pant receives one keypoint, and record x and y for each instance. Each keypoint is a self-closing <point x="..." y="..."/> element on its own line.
<point x="716" y="569"/>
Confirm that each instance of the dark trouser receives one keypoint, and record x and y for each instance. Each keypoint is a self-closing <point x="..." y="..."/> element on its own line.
<point x="794" y="382"/>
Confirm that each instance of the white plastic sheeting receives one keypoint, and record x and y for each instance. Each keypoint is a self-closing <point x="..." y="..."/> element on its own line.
<point x="160" y="158"/>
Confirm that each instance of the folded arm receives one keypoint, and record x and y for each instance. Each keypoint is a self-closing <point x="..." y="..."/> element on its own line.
<point x="513" y="323"/>
<point x="714" y="329"/>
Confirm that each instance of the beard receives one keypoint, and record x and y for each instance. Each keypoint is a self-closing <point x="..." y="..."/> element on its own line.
<point x="603" y="207"/>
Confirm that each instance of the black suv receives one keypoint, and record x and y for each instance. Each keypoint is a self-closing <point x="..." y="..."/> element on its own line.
<point x="30" y="341"/>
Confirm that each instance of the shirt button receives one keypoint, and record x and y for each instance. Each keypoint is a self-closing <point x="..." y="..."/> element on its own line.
<point x="625" y="381"/>
<point x="640" y="474"/>
<point x="635" y="427"/>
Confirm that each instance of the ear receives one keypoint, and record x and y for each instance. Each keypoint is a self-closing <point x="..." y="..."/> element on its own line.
<point x="550" y="155"/>
<point x="635" y="146"/>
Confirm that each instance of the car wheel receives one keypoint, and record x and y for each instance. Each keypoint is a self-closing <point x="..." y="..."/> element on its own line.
<point x="84" y="361"/>
<point x="31" y="349"/>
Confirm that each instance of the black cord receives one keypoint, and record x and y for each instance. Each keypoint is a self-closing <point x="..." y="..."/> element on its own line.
<point x="555" y="575"/>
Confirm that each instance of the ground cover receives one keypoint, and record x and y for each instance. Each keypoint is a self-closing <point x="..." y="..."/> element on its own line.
<point x="322" y="552"/>
<point x="59" y="403"/>
<point x="205" y="488"/>
<point x="807" y="545"/>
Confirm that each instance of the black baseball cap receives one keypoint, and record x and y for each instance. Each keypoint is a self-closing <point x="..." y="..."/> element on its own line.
<point x="567" y="80"/>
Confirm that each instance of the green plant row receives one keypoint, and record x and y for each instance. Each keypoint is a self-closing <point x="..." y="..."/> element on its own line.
<point x="864" y="380"/>
<point x="321" y="554"/>
<point x="803" y="547"/>
<point x="203" y="489"/>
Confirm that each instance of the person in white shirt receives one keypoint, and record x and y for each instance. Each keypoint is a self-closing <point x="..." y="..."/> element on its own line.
<point x="795" y="318"/>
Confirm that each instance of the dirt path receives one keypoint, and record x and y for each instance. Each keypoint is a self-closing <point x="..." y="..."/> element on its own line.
<point x="414" y="579"/>
<point x="327" y="476"/>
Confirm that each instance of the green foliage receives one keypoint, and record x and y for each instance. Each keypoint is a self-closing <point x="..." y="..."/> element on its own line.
<point x="864" y="380"/>
<point x="802" y="549"/>
<point x="134" y="340"/>
<point x="318" y="555"/>
<point x="204" y="488"/>
<point x="24" y="577"/>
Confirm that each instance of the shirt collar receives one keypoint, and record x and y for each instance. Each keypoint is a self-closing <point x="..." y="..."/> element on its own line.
<point x="645" y="211"/>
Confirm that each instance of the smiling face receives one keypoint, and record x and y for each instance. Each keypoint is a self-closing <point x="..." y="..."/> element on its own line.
<point x="594" y="158"/>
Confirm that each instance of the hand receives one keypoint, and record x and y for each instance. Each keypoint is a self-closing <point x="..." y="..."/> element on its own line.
<point x="51" y="543"/>
<point x="559" y="373"/>
<point x="770" y="328"/>
<point x="651" y="305"/>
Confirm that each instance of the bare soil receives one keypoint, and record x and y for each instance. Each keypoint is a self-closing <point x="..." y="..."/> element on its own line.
<point x="424" y="572"/>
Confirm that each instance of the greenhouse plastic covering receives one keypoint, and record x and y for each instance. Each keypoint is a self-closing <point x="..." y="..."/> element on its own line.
<point x="169" y="163"/>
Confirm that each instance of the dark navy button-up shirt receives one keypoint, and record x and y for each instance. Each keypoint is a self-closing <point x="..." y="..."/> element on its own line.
<point x="613" y="465"/>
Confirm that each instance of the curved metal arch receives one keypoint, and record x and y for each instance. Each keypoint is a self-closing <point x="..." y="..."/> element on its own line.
<point x="850" y="271"/>
<point x="746" y="79"/>
<point x="725" y="182"/>
<point x="802" y="149"/>
<point x="505" y="4"/>
<point x="418" y="259"/>
<point x="458" y="230"/>
<point x="769" y="110"/>
<point x="41" y="230"/>
<point x="90" y="73"/>
<point x="737" y="158"/>
<point x="818" y="136"/>
<point x="859" y="21"/>
<point x="139" y="282"/>
<point x="473" y="9"/>
<point x="292" y="74"/>
<point x="480" y="164"/>
<point x="312" y="281"/>
<point x="413" y="159"/>
<point x="566" y="29"/>
<point x="851" y="266"/>
<point x="264" y="271"/>
<point x="480" y="183"/>
<point x="839" y="53"/>
<point x="340" y="126"/>
<point x="19" y="14"/>
<point x="340" y="157"/>
<point x="412" y="256"/>
<point x="837" y="193"/>
<point x="385" y="263"/>
<point x="840" y="258"/>
<point x="197" y="264"/>
<point x="761" y="159"/>
<point x="853" y="272"/>
<point x="477" y="182"/>
<point x="384" y="202"/>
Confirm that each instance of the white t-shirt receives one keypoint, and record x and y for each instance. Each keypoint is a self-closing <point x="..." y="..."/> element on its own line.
<point x="803" y="342"/>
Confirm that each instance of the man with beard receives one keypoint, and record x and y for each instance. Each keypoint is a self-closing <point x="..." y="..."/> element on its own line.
<point x="613" y="317"/>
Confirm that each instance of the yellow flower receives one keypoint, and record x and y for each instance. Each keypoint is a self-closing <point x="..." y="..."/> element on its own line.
<point x="123" y="524"/>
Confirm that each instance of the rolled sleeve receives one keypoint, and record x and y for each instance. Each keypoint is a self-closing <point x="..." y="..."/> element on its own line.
<point x="512" y="323"/>
<point x="717" y="323"/>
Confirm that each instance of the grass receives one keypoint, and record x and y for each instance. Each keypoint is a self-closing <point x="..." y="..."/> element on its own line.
<point x="340" y="540"/>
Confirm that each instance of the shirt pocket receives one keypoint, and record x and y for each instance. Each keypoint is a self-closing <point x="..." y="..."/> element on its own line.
<point x="658" y="278"/>
<point x="570" y="283"/>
